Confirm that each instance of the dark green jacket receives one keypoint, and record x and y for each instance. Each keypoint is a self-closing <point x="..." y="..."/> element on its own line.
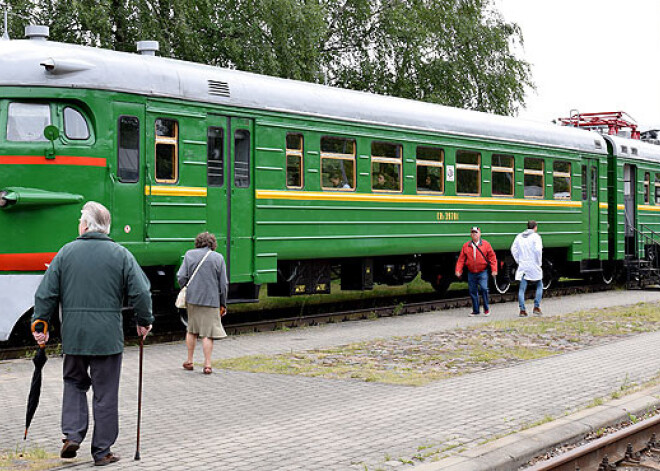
<point x="90" y="277"/>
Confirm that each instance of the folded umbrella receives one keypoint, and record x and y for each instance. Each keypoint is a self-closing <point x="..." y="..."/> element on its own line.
<point x="39" y="361"/>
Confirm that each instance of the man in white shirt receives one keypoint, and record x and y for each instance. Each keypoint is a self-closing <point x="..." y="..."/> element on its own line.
<point x="527" y="250"/>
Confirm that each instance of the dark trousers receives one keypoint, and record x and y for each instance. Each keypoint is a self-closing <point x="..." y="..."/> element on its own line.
<point x="102" y="374"/>
<point x="478" y="282"/>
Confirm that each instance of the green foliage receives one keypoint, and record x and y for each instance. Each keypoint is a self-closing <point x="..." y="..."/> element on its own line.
<point x="452" y="52"/>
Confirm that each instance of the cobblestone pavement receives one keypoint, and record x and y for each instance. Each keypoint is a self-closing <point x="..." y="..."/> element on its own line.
<point x="242" y="421"/>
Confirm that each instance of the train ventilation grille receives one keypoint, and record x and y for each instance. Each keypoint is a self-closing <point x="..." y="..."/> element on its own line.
<point x="218" y="88"/>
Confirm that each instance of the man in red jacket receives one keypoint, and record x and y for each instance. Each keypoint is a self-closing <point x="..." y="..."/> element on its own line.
<point x="477" y="254"/>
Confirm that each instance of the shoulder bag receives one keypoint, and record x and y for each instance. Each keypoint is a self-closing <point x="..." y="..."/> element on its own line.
<point x="181" y="298"/>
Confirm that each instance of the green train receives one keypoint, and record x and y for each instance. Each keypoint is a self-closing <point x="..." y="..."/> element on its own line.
<point x="299" y="182"/>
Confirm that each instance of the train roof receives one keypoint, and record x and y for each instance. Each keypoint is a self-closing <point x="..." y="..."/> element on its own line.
<point x="53" y="64"/>
<point x="634" y="148"/>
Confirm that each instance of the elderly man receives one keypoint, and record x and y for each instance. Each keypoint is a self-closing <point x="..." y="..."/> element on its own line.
<point x="90" y="277"/>
<point x="527" y="250"/>
<point x="478" y="256"/>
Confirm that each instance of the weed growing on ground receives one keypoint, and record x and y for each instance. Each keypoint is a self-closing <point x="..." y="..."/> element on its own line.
<point x="28" y="459"/>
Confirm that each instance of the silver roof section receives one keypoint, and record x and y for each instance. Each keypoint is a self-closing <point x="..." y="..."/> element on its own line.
<point x="66" y="65"/>
<point x="634" y="149"/>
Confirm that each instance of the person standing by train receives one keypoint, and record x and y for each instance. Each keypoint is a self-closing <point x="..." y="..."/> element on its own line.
<point x="478" y="255"/>
<point x="527" y="250"/>
<point x="206" y="298"/>
<point x="90" y="277"/>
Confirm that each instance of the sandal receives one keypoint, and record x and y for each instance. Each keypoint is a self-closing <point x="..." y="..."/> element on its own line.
<point x="207" y="370"/>
<point x="188" y="365"/>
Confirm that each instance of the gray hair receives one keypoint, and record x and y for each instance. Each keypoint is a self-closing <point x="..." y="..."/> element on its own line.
<point x="96" y="217"/>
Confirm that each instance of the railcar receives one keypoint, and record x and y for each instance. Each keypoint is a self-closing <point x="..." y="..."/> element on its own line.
<point x="296" y="180"/>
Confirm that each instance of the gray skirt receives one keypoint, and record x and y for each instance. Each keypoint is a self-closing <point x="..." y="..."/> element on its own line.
<point x="205" y="321"/>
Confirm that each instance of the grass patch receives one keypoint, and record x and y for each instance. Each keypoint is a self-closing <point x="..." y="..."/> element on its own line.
<point x="418" y="360"/>
<point x="28" y="459"/>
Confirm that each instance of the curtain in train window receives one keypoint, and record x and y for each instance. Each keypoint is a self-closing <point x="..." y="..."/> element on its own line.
<point x="128" y="149"/>
<point x="430" y="169"/>
<point x="386" y="166"/>
<point x="242" y="158"/>
<point x="337" y="163"/>
<point x="215" y="156"/>
<point x="502" y="175"/>
<point x="167" y="150"/>
<point x="534" y="178"/>
<point x="468" y="172"/>
<point x="26" y="121"/>
<point x="294" y="161"/>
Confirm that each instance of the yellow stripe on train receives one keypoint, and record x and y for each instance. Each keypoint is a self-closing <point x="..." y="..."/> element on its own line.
<point x="174" y="191"/>
<point x="345" y="196"/>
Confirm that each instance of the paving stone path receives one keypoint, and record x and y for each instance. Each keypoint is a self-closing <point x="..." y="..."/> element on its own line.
<point x="243" y="421"/>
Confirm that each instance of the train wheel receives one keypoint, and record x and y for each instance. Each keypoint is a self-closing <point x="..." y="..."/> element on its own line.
<point x="440" y="283"/>
<point x="183" y="316"/>
<point x="609" y="273"/>
<point x="550" y="275"/>
<point x="502" y="283"/>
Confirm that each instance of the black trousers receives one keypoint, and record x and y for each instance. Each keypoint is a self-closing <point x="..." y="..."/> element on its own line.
<point x="102" y="374"/>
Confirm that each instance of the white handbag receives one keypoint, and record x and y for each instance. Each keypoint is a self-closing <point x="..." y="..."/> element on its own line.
<point x="181" y="297"/>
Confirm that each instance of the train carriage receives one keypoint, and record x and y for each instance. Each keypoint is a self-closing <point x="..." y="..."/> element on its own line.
<point x="296" y="180"/>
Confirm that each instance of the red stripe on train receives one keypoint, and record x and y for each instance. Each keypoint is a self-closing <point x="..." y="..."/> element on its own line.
<point x="25" y="261"/>
<point x="59" y="160"/>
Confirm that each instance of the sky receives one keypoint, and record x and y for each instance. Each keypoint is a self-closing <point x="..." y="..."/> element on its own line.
<point x="590" y="55"/>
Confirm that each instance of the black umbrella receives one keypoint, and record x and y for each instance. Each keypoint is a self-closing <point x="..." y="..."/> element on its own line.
<point x="39" y="361"/>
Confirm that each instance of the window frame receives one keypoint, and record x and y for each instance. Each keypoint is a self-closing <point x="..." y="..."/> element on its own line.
<point x="657" y="188"/>
<point x="469" y="167"/>
<point x="166" y="140"/>
<point x="248" y="140"/>
<point x="647" y="188"/>
<point x="541" y="172"/>
<point x="498" y="169"/>
<point x="430" y="163"/>
<point x="556" y="174"/>
<point x="300" y="153"/>
<point x="387" y="160"/>
<point x="119" y="134"/>
<point x="335" y="156"/>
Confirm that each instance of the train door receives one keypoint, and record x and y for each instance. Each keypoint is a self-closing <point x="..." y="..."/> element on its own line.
<point x="590" y="187"/>
<point x="630" y="207"/>
<point x="127" y="205"/>
<point x="218" y="148"/>
<point x="240" y="201"/>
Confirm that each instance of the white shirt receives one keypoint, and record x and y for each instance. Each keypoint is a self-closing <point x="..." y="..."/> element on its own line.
<point x="527" y="250"/>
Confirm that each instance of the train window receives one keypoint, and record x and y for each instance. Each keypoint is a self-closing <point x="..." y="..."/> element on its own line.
<point x="214" y="156"/>
<point x="167" y="150"/>
<point x="26" y="121"/>
<point x="561" y="180"/>
<point x="534" y="178"/>
<point x="75" y="125"/>
<point x="503" y="175"/>
<point x="294" y="161"/>
<point x="584" y="183"/>
<point x="385" y="166"/>
<point x="128" y="149"/>
<point x="468" y="172"/>
<point x="430" y="169"/>
<point x="337" y="163"/>
<point x="657" y="188"/>
<point x="594" y="183"/>
<point x="242" y="158"/>
<point x="647" y="188"/>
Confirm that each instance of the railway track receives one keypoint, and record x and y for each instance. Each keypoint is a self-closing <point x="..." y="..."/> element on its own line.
<point x="632" y="448"/>
<point x="261" y="321"/>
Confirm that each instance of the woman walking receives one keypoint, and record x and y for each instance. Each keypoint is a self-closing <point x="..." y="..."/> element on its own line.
<point x="203" y="272"/>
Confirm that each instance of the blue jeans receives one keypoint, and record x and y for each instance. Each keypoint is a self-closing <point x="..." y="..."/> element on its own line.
<point x="478" y="282"/>
<point x="537" y="297"/>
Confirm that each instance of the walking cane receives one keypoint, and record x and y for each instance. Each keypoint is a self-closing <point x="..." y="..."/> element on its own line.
<point x="139" y="417"/>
